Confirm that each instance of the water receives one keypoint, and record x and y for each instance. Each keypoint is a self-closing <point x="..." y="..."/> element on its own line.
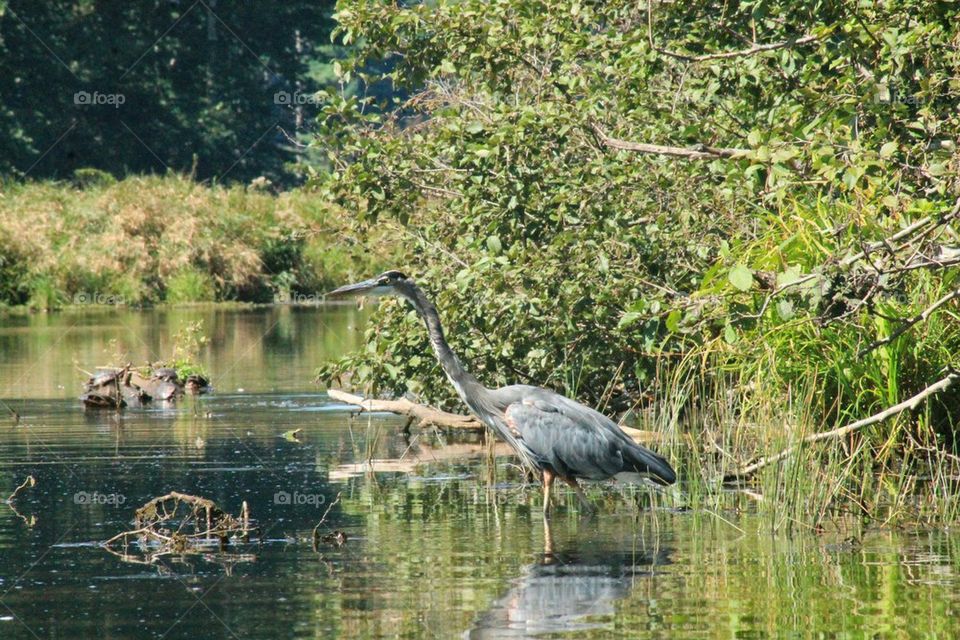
<point x="440" y="552"/>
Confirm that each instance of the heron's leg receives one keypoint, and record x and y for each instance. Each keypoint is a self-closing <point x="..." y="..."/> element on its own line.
<point x="581" y="496"/>
<point x="547" y="483"/>
<point x="547" y="542"/>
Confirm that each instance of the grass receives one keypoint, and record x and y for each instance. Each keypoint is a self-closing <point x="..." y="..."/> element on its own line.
<point x="715" y="418"/>
<point x="190" y="285"/>
<point x="149" y="240"/>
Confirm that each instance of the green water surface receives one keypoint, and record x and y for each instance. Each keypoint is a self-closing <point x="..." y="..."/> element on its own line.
<point x="454" y="549"/>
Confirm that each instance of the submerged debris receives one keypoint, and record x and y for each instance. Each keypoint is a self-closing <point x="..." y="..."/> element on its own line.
<point x="337" y="538"/>
<point x="13" y="414"/>
<point x="116" y="388"/>
<point x="28" y="483"/>
<point x="292" y="436"/>
<point x="177" y="524"/>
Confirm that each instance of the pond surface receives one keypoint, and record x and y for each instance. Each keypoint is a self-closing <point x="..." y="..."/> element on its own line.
<point x="454" y="549"/>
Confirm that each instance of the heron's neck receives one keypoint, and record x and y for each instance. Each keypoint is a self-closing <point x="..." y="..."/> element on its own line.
<point x="468" y="387"/>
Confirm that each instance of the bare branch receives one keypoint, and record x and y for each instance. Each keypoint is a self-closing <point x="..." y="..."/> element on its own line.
<point x="323" y="520"/>
<point x="760" y="48"/>
<point x="887" y="243"/>
<point x="427" y="416"/>
<point x="697" y="152"/>
<point x="430" y="416"/>
<point x="922" y="225"/>
<point x="911" y="403"/>
<point x="910" y="323"/>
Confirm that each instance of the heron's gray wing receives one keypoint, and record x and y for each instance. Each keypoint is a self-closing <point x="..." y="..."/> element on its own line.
<point x="572" y="448"/>
<point x="574" y="438"/>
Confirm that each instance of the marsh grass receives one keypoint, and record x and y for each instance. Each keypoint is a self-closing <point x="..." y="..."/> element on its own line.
<point x="714" y="420"/>
<point x="150" y="239"/>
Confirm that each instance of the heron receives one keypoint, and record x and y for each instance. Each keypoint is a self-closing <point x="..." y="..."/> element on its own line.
<point x="554" y="436"/>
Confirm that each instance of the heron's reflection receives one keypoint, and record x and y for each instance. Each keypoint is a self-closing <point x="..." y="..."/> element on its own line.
<point x="571" y="588"/>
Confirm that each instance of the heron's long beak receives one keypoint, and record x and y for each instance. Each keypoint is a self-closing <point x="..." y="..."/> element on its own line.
<point x="351" y="290"/>
<point x="370" y="288"/>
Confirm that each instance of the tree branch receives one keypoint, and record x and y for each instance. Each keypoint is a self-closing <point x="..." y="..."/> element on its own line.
<point x="910" y="323"/>
<point x="920" y="225"/>
<point x="910" y="403"/>
<point x="427" y="416"/>
<point x="697" y="152"/>
<point x="759" y="48"/>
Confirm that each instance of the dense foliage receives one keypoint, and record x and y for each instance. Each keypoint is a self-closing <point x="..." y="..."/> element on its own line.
<point x="560" y="251"/>
<point x="136" y="87"/>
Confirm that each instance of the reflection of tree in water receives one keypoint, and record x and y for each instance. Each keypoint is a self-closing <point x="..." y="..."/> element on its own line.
<point x="571" y="589"/>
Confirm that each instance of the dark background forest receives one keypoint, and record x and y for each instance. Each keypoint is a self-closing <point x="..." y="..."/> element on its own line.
<point x="220" y="89"/>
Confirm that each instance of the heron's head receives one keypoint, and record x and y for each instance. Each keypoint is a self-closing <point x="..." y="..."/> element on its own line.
<point x="388" y="283"/>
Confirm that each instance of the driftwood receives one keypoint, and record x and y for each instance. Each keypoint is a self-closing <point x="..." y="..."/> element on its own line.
<point x="28" y="483"/>
<point x="428" y="416"/>
<point x="338" y="538"/>
<point x="910" y="403"/>
<point x="178" y="524"/>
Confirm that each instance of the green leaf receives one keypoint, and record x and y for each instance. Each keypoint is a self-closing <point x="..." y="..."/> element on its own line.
<point x="888" y="149"/>
<point x="730" y="334"/>
<point x="741" y="277"/>
<point x="494" y="245"/>
<point x="673" y="320"/>
<point x="292" y="435"/>
<point x="629" y="318"/>
<point x="785" y="310"/>
<point x="788" y="275"/>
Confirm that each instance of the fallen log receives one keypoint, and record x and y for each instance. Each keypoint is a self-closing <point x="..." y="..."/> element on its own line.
<point x="428" y="416"/>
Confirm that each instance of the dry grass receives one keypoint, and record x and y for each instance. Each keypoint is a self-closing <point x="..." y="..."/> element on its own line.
<point x="169" y="239"/>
